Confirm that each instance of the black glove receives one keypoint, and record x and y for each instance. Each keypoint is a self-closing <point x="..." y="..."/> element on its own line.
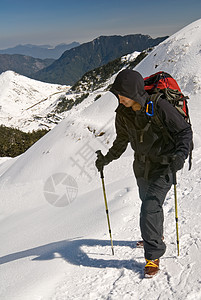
<point x="100" y="162"/>
<point x="103" y="160"/>
<point x="177" y="163"/>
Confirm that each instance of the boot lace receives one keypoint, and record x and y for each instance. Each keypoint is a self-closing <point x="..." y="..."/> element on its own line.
<point x="150" y="263"/>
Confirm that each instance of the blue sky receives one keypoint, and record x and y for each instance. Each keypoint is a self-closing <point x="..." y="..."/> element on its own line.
<point x="53" y="22"/>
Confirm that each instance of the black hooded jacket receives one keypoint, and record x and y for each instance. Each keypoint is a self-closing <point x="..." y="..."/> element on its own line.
<point x="144" y="135"/>
<point x="130" y="84"/>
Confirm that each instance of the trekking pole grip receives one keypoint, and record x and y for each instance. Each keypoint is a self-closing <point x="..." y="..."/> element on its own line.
<point x="101" y="174"/>
<point x="174" y="178"/>
<point x="99" y="153"/>
<point x="173" y="171"/>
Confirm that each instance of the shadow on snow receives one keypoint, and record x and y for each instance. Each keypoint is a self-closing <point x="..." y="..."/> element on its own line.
<point x="71" y="251"/>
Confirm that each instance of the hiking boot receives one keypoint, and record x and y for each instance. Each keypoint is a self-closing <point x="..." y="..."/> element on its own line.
<point x="151" y="268"/>
<point x="140" y="244"/>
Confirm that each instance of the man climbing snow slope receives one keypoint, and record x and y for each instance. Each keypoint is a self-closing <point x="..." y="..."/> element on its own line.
<point x="155" y="161"/>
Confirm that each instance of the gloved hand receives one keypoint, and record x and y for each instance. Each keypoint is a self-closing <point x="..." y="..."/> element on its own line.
<point x="100" y="162"/>
<point x="177" y="163"/>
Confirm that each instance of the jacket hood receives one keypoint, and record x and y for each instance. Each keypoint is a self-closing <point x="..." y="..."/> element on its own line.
<point x="130" y="84"/>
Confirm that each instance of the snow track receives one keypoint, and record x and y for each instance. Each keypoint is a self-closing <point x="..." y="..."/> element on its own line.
<point x="121" y="277"/>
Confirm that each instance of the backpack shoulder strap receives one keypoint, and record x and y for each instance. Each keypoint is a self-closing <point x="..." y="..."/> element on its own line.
<point x="157" y="119"/>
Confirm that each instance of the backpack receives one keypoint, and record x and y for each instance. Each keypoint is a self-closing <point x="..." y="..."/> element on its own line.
<point x="162" y="84"/>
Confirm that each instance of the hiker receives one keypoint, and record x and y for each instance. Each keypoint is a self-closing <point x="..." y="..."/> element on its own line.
<point x="154" y="160"/>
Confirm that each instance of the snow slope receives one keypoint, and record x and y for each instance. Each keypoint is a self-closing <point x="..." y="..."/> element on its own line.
<point x="180" y="55"/>
<point x="24" y="101"/>
<point x="54" y="236"/>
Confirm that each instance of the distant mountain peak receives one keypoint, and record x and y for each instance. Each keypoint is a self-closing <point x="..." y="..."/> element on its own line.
<point x="40" y="51"/>
<point x="91" y="55"/>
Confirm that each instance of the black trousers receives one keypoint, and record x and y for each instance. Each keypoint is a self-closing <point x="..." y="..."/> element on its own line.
<point x="152" y="193"/>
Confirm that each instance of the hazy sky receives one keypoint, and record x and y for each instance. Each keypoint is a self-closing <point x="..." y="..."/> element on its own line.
<point x="53" y="22"/>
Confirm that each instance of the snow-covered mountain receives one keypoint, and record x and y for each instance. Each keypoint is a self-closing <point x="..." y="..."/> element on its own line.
<point x="181" y="56"/>
<point x="29" y="104"/>
<point x="25" y="103"/>
<point x="54" y="236"/>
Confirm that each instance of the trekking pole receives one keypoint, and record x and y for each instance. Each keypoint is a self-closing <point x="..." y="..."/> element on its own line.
<point x="176" y="212"/>
<point x="106" y="206"/>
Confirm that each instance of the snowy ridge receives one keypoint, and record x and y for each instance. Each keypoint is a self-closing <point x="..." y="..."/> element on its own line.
<point x="59" y="253"/>
<point x="24" y="101"/>
<point x="179" y="55"/>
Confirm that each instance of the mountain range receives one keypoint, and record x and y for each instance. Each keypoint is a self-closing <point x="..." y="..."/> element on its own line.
<point x="42" y="51"/>
<point x="75" y="62"/>
<point x="24" y="65"/>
